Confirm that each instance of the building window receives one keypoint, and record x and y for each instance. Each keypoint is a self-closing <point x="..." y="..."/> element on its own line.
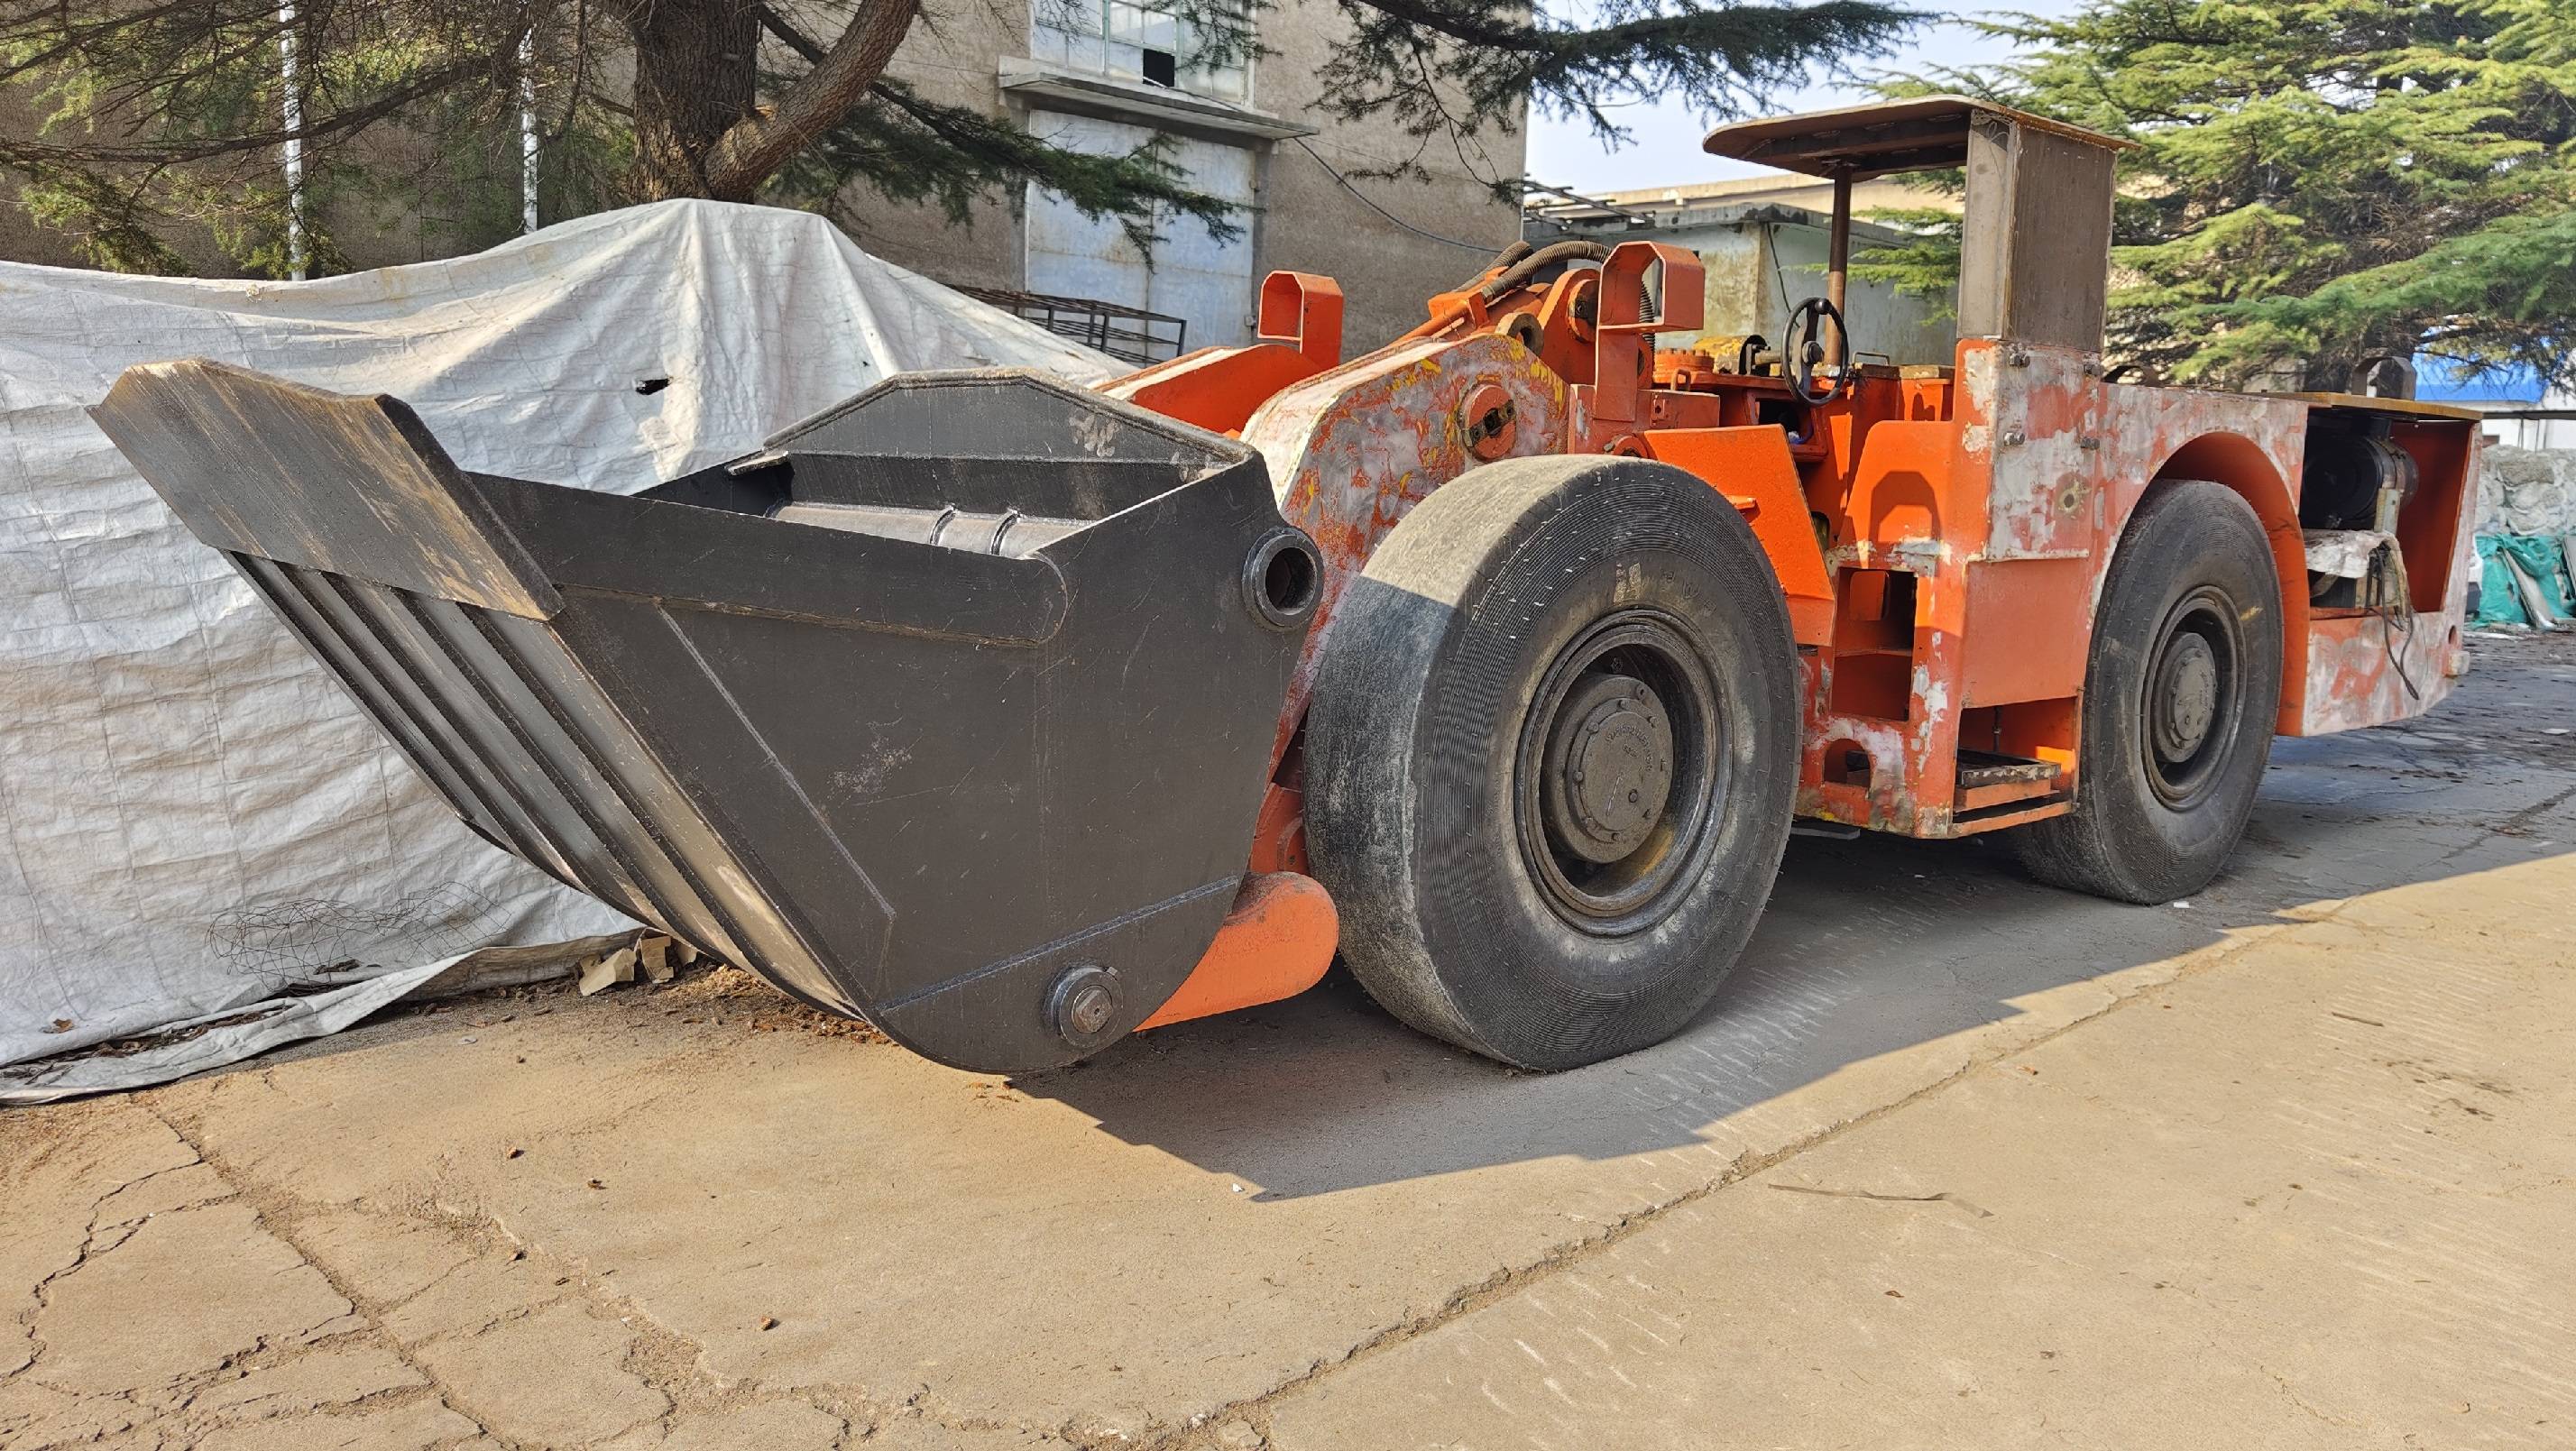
<point x="1144" y="42"/>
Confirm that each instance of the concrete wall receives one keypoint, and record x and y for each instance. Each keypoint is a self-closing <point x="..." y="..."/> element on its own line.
<point x="1883" y="320"/>
<point x="1757" y="272"/>
<point x="954" y="64"/>
<point x="1780" y="188"/>
<point x="1762" y="239"/>
<point x="1311" y="224"/>
<point x="1302" y="219"/>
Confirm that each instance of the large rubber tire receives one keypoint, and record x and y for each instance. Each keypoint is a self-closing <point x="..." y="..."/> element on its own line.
<point x="2147" y="828"/>
<point x="1519" y="583"/>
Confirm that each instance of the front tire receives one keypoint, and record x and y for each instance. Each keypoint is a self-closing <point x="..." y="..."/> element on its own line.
<point x="2180" y="691"/>
<point x="1552" y="757"/>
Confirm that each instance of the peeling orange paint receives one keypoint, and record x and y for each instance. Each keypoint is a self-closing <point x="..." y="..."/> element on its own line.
<point x="1884" y="513"/>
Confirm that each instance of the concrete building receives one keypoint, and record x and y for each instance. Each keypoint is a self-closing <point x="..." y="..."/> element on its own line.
<point x="1762" y="240"/>
<point x="1106" y="76"/>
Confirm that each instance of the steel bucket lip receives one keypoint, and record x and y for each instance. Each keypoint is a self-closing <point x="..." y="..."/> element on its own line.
<point x="534" y="510"/>
<point x="1212" y="451"/>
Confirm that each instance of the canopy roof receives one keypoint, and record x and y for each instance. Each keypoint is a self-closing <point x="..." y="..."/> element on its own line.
<point x="1919" y="133"/>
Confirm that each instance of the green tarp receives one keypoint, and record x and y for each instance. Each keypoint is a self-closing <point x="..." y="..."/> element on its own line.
<point x="2518" y="572"/>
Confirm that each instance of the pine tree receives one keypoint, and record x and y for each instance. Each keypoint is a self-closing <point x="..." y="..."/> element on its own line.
<point x="171" y="110"/>
<point x="2317" y="182"/>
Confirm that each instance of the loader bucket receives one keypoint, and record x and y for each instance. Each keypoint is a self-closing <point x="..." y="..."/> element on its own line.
<point x="955" y="699"/>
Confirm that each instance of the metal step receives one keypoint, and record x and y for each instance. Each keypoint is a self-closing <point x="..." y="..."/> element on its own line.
<point x="1989" y="779"/>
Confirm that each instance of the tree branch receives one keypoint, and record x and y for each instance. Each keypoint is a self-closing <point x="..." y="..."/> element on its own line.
<point x="795" y="39"/>
<point x="758" y="145"/>
<point x="334" y="125"/>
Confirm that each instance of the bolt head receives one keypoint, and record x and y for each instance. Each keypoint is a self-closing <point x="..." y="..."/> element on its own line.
<point x="1088" y="1011"/>
<point x="1083" y="1005"/>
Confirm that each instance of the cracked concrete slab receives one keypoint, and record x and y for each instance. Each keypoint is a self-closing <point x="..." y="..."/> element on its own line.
<point x="161" y="1193"/>
<point x="109" y="1325"/>
<point x="1203" y="1217"/>
<point x="57" y="1170"/>
<point x="383" y="1259"/>
<point x="694" y="1221"/>
<point x="769" y="1425"/>
<point x="916" y="1433"/>
<point x="35" y="1417"/>
<point x="416" y="1426"/>
<point x="313" y="1382"/>
<point x="553" y="1378"/>
<point x="468" y="1297"/>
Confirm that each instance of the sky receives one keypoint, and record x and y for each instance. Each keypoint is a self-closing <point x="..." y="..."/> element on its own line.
<point x="1665" y="150"/>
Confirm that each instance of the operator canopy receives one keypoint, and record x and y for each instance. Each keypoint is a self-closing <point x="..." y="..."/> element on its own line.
<point x="1920" y="133"/>
<point x="2035" y="223"/>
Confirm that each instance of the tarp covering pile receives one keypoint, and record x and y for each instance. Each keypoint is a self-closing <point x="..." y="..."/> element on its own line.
<point x="2526" y="522"/>
<point x="2523" y="580"/>
<point x="198" y="832"/>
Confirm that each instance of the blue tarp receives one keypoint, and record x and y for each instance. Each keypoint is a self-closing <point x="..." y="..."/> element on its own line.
<point x="2440" y="381"/>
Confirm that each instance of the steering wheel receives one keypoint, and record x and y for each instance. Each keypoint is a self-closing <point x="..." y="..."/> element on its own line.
<point x="1802" y="346"/>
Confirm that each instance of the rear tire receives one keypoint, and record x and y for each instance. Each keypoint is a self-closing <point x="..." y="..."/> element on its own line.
<point x="2180" y="692"/>
<point x="1552" y="757"/>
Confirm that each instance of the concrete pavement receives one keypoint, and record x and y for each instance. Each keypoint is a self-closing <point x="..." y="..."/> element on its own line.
<point x="1954" y="1161"/>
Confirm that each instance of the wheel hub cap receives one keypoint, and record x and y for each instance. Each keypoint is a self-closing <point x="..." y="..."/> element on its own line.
<point x="1609" y="768"/>
<point x="2186" y="697"/>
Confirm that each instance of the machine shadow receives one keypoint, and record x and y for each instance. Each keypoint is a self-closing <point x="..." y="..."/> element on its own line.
<point x="1869" y="946"/>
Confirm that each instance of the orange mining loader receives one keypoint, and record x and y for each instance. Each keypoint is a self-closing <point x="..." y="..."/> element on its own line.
<point x="1015" y="716"/>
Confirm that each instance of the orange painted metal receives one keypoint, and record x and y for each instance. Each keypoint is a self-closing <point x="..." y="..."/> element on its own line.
<point x="1752" y="467"/>
<point x="1218" y="388"/>
<point x="2019" y="642"/>
<point x="1941" y="534"/>
<point x="1979" y="798"/>
<point x="1353" y="450"/>
<point x="1562" y="316"/>
<point x="1609" y="405"/>
<point x="1279" y="835"/>
<point x="2364" y="670"/>
<point x="1487" y="413"/>
<point x="1277" y="941"/>
<point x="1302" y="310"/>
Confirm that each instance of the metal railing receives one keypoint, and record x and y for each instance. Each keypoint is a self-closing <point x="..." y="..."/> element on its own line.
<point x="1127" y="333"/>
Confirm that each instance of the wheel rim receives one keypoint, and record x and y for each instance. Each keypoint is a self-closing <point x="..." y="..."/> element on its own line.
<point x="2193" y="698"/>
<point x="1620" y="774"/>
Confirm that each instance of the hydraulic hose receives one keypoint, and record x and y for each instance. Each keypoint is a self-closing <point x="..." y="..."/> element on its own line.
<point x="1517" y="270"/>
<point x="1520" y="262"/>
<point x="1504" y="258"/>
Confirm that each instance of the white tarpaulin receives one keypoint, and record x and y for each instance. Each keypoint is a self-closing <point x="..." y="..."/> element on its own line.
<point x="193" y="818"/>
